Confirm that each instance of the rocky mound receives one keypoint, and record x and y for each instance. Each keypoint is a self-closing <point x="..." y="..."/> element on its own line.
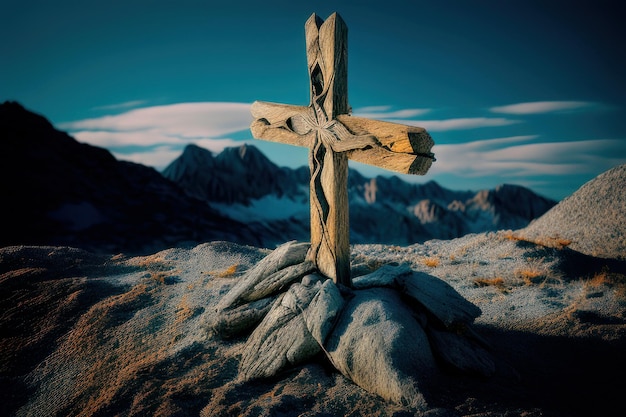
<point x="591" y="221"/>
<point x="85" y="334"/>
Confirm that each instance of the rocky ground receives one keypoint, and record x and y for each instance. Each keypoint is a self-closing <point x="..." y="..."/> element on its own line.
<point x="105" y="335"/>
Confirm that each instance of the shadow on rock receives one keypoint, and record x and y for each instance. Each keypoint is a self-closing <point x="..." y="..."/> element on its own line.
<point x="541" y="375"/>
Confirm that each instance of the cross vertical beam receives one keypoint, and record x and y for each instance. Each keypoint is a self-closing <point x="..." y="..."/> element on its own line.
<point x="333" y="136"/>
<point x="327" y="60"/>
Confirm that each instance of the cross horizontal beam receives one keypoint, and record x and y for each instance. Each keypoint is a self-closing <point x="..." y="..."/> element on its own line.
<point x="400" y="148"/>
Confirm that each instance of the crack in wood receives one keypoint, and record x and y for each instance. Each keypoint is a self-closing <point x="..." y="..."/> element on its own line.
<point x="333" y="137"/>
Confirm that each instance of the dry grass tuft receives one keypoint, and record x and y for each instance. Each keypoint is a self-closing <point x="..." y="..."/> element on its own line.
<point x="486" y="282"/>
<point x="152" y="262"/>
<point x="183" y="310"/>
<point x="537" y="272"/>
<point x="228" y="272"/>
<point x="610" y="279"/>
<point x="555" y="242"/>
<point x="530" y="276"/>
<point x="431" y="262"/>
<point x="162" y="277"/>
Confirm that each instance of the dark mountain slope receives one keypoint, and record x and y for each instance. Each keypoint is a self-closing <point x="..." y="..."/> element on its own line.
<point x="58" y="191"/>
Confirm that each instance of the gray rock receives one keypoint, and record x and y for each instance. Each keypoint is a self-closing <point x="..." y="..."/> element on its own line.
<point x="379" y="345"/>
<point x="282" y="338"/>
<point x="321" y="315"/>
<point x="385" y="276"/>
<point x="439" y="298"/>
<point x="270" y="275"/>
<point x="234" y="322"/>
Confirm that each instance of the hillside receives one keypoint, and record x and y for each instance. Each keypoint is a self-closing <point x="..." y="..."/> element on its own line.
<point x="57" y="191"/>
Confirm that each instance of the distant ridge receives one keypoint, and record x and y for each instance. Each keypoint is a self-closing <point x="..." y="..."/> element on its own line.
<point x="57" y="191"/>
<point x="245" y="185"/>
<point x="236" y="175"/>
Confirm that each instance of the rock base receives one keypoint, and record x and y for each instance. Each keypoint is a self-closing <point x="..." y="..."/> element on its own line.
<point x="390" y="334"/>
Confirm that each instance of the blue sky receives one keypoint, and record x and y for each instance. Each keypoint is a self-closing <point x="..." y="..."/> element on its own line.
<point x="523" y="92"/>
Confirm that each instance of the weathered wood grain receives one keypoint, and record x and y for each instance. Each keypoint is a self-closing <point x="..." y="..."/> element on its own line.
<point x="333" y="136"/>
<point x="402" y="163"/>
<point x="273" y="122"/>
<point x="286" y="255"/>
<point x="403" y="149"/>
<point x="392" y="146"/>
<point x="282" y="338"/>
<point x="393" y="136"/>
<point x="328" y="68"/>
<point x="231" y="323"/>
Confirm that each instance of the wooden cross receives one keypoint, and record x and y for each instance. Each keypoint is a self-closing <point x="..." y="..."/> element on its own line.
<point x="334" y="136"/>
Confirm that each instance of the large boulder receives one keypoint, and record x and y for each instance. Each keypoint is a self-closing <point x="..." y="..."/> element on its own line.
<point x="379" y="344"/>
<point x="293" y="330"/>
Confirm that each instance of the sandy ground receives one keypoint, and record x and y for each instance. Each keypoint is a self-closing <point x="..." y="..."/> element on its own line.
<point x="84" y="334"/>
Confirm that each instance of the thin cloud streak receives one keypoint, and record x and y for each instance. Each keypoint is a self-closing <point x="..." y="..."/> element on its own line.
<point x="156" y="135"/>
<point x="190" y="120"/>
<point x="111" y="139"/>
<point x="124" y="105"/>
<point x="479" y="158"/>
<point x="381" y="112"/>
<point x="459" y="124"/>
<point x="400" y="116"/>
<point x="497" y="143"/>
<point x="539" y="107"/>
<point x="374" y="109"/>
<point x="161" y="132"/>
<point x="157" y="158"/>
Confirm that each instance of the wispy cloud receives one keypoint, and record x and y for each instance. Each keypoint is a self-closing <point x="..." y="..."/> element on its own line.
<point x="403" y="115"/>
<point x="373" y="109"/>
<point x="459" y="124"/>
<point x="515" y="157"/>
<point x="124" y="105"/>
<point x="538" y="107"/>
<point x="118" y="139"/>
<point x="183" y="120"/>
<point x="385" y="112"/>
<point x="158" y="157"/>
<point x="161" y="156"/>
<point x="157" y="134"/>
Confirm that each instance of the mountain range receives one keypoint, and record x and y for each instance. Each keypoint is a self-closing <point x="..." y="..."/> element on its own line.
<point x="245" y="185"/>
<point x="58" y="191"/>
